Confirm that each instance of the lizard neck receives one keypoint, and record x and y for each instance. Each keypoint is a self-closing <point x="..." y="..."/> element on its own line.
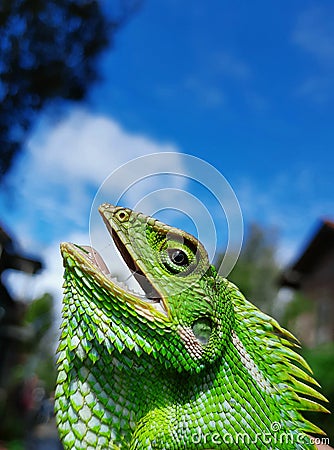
<point x="144" y="406"/>
<point x="211" y="410"/>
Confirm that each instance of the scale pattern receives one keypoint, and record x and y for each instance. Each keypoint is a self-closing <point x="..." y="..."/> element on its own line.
<point x="204" y="369"/>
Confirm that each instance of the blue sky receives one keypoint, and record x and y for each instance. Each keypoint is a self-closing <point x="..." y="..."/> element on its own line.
<point x="246" y="86"/>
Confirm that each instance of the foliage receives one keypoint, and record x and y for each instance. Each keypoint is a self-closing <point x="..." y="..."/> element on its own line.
<point x="34" y="370"/>
<point x="39" y="315"/>
<point x="296" y="306"/>
<point x="256" y="271"/>
<point x="321" y="359"/>
<point x="48" y="51"/>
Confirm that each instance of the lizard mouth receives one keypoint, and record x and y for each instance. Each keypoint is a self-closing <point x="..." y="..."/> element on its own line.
<point x="151" y="294"/>
<point x="148" y="300"/>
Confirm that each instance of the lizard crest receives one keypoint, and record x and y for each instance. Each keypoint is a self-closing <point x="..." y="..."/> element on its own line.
<point x="189" y="364"/>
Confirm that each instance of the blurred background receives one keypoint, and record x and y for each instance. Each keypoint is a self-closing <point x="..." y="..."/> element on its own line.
<point x="86" y="86"/>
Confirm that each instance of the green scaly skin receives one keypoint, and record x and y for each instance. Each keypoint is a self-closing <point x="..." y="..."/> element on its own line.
<point x="191" y="365"/>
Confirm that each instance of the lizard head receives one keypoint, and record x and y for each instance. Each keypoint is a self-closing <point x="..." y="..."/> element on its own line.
<point x="182" y="307"/>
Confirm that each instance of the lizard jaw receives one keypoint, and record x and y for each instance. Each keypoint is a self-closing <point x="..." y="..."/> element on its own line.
<point x="150" y="299"/>
<point x="151" y="294"/>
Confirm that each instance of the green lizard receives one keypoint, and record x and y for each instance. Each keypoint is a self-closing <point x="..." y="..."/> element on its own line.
<point x="189" y="365"/>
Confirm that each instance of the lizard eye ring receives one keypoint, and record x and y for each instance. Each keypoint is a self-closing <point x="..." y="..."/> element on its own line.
<point x="178" y="259"/>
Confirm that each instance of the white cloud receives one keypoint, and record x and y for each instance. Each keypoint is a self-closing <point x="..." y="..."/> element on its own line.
<point x="208" y="86"/>
<point x="88" y="147"/>
<point x="208" y="83"/>
<point x="314" y="33"/>
<point x="207" y="94"/>
<point x="55" y="183"/>
<point x="319" y="88"/>
<point x="228" y="64"/>
<point x="64" y="165"/>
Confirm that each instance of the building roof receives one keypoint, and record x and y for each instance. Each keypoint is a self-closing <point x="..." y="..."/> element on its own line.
<point x="319" y="245"/>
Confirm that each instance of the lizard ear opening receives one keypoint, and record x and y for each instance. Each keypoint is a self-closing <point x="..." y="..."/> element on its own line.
<point x="202" y="330"/>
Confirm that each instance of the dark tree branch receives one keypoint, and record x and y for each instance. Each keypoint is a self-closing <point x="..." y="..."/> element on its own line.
<point x="48" y="51"/>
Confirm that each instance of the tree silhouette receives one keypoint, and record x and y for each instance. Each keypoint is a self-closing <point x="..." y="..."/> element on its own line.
<point x="48" y="51"/>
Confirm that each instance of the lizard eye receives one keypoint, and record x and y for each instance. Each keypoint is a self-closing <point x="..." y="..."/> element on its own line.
<point x="178" y="257"/>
